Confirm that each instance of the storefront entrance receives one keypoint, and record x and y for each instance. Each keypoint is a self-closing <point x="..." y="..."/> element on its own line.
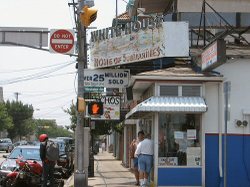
<point x="179" y="149"/>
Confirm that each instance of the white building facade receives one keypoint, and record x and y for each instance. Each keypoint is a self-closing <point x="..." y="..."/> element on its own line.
<point x="178" y="111"/>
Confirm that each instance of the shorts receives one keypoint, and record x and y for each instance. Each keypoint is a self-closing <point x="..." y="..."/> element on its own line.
<point x="135" y="162"/>
<point x="145" y="163"/>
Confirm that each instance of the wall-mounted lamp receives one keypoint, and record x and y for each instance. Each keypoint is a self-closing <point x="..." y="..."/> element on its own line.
<point x="240" y="123"/>
<point x="244" y="123"/>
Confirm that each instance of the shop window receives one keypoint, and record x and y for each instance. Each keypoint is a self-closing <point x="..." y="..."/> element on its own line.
<point x="179" y="140"/>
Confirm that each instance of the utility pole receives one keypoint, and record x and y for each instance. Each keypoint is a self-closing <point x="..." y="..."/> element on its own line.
<point x="16" y="94"/>
<point x="80" y="175"/>
<point x="85" y="16"/>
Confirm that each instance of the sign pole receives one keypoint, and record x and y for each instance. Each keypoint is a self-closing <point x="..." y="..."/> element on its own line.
<point x="80" y="175"/>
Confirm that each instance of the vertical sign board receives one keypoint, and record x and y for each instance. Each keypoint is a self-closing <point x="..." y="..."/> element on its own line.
<point x="111" y="108"/>
<point x="62" y="41"/>
<point x="214" y="55"/>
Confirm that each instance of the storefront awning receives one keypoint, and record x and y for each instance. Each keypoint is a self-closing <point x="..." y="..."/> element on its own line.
<point x="169" y="104"/>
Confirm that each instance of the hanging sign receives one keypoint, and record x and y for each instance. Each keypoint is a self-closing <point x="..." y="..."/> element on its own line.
<point x="214" y="55"/>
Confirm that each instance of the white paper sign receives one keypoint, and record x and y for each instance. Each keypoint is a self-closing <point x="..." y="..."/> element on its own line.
<point x="178" y="135"/>
<point x="172" y="161"/>
<point x="191" y="134"/>
<point x="162" y="161"/>
<point x="193" y="156"/>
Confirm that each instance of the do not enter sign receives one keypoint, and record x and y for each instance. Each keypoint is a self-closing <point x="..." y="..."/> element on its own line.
<point x="62" y="41"/>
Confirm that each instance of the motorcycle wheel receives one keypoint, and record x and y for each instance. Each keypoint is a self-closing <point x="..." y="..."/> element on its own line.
<point x="9" y="183"/>
<point x="59" y="183"/>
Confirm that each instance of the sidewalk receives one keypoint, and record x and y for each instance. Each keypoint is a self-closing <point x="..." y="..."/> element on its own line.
<point x="108" y="172"/>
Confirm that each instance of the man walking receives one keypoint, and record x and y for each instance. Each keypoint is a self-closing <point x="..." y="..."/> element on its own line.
<point x="144" y="152"/>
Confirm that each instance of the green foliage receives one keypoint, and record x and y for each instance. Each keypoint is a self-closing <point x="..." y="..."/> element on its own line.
<point x="29" y="127"/>
<point x="118" y="128"/>
<point x="101" y="128"/>
<point x="22" y="118"/>
<point x="5" y="119"/>
<point x="50" y="128"/>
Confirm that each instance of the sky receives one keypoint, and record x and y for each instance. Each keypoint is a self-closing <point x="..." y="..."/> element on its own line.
<point x="45" y="80"/>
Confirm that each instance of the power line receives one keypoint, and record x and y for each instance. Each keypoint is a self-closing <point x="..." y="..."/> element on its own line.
<point x="49" y="76"/>
<point x="34" y="76"/>
<point x="55" y="98"/>
<point x="31" y="69"/>
<point x="55" y="108"/>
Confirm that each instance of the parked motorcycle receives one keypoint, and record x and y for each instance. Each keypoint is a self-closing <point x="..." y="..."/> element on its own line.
<point x="28" y="174"/>
<point x="66" y="165"/>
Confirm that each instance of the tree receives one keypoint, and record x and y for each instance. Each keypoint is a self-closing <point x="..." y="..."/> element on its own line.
<point x="49" y="127"/>
<point x="5" y="119"/>
<point x="21" y="115"/>
<point x="73" y="116"/>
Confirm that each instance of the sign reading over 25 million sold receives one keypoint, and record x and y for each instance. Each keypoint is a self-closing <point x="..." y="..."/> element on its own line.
<point x="108" y="78"/>
<point x="62" y="41"/>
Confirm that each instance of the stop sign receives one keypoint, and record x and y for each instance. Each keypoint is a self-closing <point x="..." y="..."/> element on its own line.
<point x="62" y="41"/>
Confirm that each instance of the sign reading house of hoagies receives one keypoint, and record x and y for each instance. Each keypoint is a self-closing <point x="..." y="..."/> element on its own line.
<point x="139" y="41"/>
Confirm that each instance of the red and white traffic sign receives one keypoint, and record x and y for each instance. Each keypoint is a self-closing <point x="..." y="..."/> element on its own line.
<point x="62" y="41"/>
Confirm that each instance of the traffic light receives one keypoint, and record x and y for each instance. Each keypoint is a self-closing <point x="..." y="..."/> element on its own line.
<point x="81" y="105"/>
<point x="88" y="15"/>
<point x="95" y="108"/>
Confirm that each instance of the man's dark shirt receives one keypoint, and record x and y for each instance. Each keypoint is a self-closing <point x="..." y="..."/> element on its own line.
<point x="43" y="151"/>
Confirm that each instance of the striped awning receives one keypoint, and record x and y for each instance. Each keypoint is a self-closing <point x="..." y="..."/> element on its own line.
<point x="169" y="104"/>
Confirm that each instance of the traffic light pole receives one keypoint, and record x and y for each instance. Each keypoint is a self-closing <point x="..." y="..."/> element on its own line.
<point x="80" y="175"/>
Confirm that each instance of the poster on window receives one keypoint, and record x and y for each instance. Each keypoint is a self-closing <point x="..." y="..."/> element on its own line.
<point x="162" y="161"/>
<point x="172" y="161"/>
<point x="178" y="135"/>
<point x="193" y="156"/>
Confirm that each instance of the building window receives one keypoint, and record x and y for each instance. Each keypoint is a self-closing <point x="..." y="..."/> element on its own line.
<point x="179" y="140"/>
<point x="188" y="91"/>
<point x="180" y="90"/>
<point x="168" y="90"/>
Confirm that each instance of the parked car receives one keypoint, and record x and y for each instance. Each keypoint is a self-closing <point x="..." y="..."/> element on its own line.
<point x="5" y="144"/>
<point x="24" y="152"/>
<point x="68" y="140"/>
<point x="12" y="146"/>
